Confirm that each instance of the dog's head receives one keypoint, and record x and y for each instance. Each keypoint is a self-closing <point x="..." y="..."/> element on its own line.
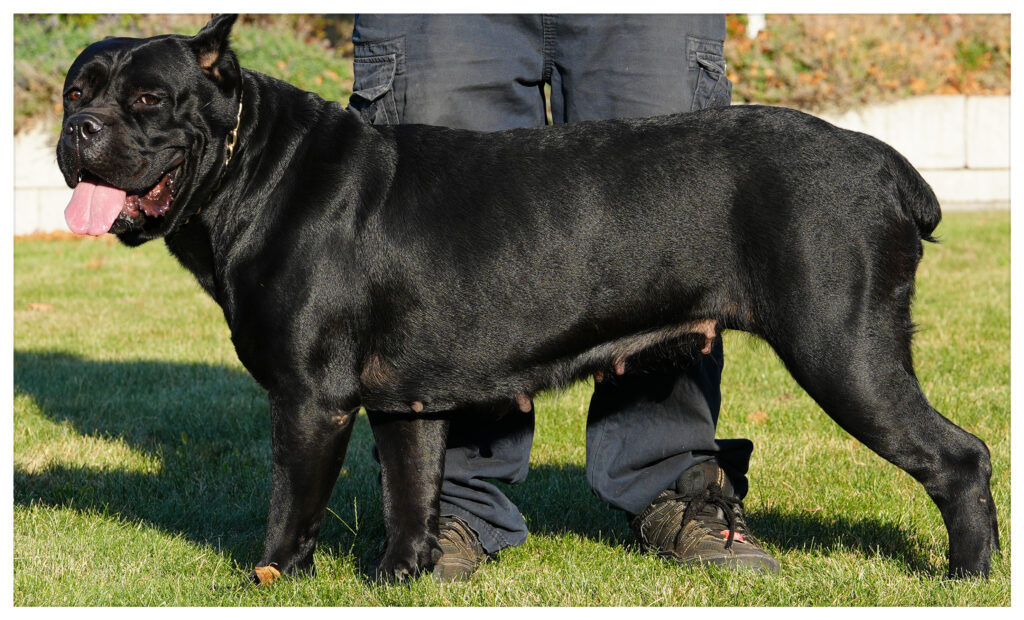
<point x="146" y="121"/>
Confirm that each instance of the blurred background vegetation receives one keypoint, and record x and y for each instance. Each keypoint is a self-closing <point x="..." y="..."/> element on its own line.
<point x="813" y="62"/>
<point x="313" y="52"/>
<point x="835" y="62"/>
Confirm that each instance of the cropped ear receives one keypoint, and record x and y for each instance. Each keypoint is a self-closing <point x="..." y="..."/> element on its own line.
<point x="215" y="56"/>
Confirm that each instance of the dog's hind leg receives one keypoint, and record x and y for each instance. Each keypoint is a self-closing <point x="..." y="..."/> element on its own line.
<point x="858" y="368"/>
<point x="411" y="451"/>
<point x="309" y="446"/>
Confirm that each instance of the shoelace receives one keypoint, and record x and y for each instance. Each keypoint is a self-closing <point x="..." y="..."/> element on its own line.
<point x="709" y="497"/>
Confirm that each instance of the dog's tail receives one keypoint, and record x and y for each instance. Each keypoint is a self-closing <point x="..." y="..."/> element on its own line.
<point x="916" y="196"/>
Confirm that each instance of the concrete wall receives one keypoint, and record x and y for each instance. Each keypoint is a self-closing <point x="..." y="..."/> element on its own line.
<point x="961" y="145"/>
<point x="40" y="194"/>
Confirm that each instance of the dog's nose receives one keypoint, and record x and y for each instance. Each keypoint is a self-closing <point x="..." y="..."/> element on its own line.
<point x="82" y="126"/>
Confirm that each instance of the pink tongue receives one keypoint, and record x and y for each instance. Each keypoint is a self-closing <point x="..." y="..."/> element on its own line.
<point x="93" y="208"/>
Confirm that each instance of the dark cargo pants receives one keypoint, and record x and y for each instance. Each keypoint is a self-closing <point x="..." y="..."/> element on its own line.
<point x="487" y="72"/>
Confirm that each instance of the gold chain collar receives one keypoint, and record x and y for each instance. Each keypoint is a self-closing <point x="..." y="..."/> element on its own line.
<point x="233" y="134"/>
<point x="231" y="143"/>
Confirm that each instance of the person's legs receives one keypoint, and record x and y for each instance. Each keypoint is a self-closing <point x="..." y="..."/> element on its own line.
<point x="479" y="72"/>
<point x="634" y="66"/>
<point x="475" y="72"/>
<point x="483" y="447"/>
<point x="418" y="69"/>
<point x="651" y="447"/>
<point x="644" y="430"/>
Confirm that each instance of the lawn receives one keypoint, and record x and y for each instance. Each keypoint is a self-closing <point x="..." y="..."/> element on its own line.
<point x="142" y="459"/>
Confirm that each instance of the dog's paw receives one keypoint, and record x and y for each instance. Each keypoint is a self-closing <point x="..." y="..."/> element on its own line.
<point x="402" y="562"/>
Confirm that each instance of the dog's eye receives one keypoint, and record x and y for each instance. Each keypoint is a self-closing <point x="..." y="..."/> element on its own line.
<point x="148" y="99"/>
<point x="74" y="94"/>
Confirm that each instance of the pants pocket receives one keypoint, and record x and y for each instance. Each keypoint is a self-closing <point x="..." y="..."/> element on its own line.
<point x="713" y="88"/>
<point x="376" y="67"/>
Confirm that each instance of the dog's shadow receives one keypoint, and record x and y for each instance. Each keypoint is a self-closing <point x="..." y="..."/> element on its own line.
<point x="557" y="502"/>
<point x="192" y="447"/>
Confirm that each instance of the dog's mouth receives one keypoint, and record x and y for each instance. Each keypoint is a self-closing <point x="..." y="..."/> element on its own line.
<point x="97" y="206"/>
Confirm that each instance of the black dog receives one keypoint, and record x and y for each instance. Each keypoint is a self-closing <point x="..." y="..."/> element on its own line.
<point x="416" y="270"/>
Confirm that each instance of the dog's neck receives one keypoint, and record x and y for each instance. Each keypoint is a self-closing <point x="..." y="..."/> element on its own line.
<point x="193" y="249"/>
<point x="230" y="143"/>
<point x="252" y="170"/>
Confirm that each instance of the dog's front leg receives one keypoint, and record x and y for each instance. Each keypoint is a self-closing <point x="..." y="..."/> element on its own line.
<point x="309" y="445"/>
<point x="411" y="452"/>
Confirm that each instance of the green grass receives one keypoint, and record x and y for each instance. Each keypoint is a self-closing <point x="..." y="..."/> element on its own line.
<point x="142" y="456"/>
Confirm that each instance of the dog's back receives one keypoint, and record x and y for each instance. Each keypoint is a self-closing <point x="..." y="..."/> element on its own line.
<point x="531" y="257"/>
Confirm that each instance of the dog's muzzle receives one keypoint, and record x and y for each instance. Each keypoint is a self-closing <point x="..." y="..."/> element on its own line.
<point x="81" y="128"/>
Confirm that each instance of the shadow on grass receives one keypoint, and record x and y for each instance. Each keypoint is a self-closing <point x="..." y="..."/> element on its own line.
<point x="207" y="426"/>
<point x="556" y="501"/>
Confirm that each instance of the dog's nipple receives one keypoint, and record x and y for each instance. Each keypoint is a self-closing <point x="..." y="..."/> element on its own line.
<point x="524" y="403"/>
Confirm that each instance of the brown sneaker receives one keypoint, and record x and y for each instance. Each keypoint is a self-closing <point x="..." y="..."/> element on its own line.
<point x="461" y="550"/>
<point x="700" y="521"/>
